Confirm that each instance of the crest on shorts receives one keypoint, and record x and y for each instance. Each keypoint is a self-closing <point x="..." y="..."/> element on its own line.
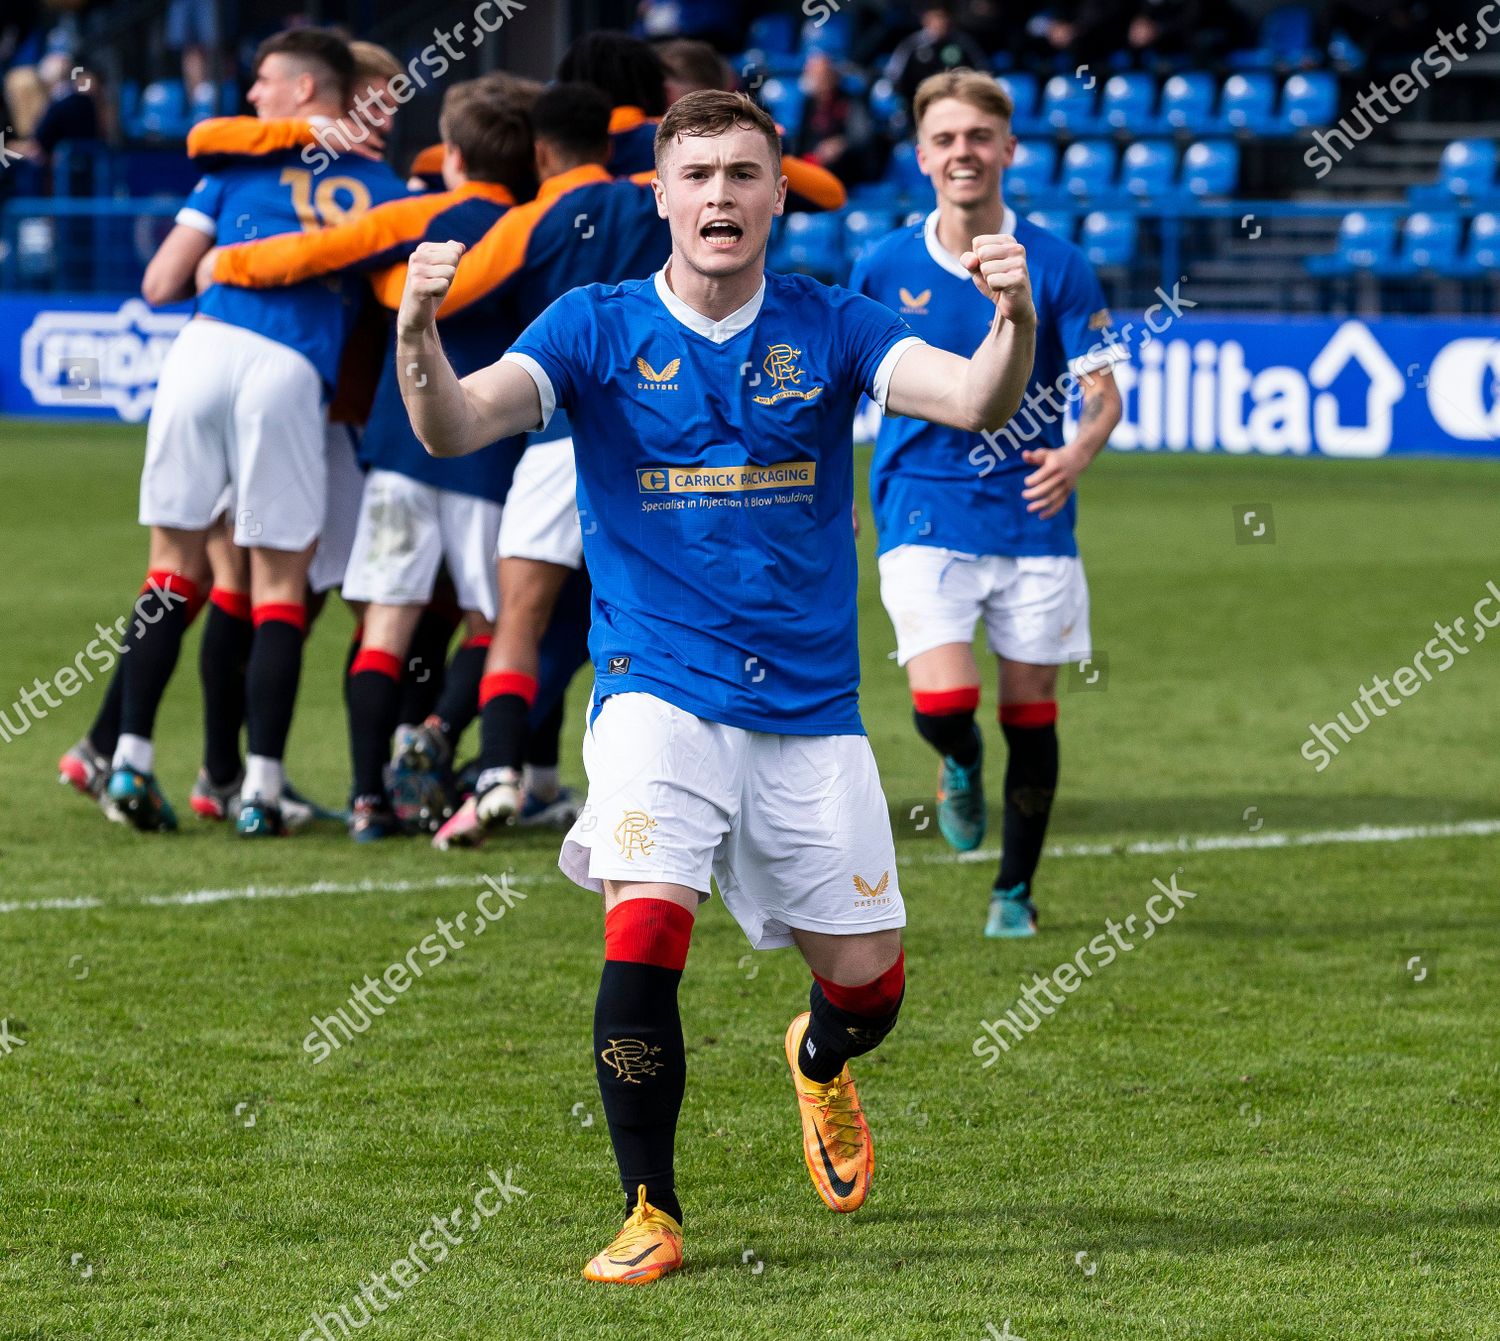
<point x="630" y="1059"/>
<point x="633" y="834"/>
<point x="781" y="367"/>
<point x="872" y="893"/>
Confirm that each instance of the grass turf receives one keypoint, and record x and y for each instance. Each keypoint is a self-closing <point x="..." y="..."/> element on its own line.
<point x="1257" y="1125"/>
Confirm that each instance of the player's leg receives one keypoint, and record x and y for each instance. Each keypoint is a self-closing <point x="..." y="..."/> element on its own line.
<point x="642" y="1069"/>
<point x="934" y="598"/>
<point x="222" y="658"/>
<point x="176" y="576"/>
<point x="85" y="765"/>
<point x="1037" y="619"/>
<point x="374" y="702"/>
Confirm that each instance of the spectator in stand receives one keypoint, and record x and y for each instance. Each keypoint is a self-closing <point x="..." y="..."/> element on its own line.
<point x="836" y="130"/>
<point x="936" y="46"/>
<point x="692" y="65"/>
<point x="192" y="30"/>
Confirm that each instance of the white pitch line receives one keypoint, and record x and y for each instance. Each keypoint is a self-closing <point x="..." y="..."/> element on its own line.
<point x="1366" y="833"/>
<point x="1232" y="842"/>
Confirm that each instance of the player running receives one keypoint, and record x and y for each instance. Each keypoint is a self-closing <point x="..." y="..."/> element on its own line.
<point x="240" y="404"/>
<point x="973" y="529"/>
<point x="712" y="408"/>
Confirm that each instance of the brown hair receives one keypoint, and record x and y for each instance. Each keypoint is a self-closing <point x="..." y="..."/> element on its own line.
<point x="491" y="130"/>
<point x="324" y="54"/>
<point x="978" y="90"/>
<point x="372" y="61"/>
<point x="712" y="112"/>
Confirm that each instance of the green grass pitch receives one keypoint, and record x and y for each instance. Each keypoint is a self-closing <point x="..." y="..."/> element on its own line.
<point x="1260" y="1124"/>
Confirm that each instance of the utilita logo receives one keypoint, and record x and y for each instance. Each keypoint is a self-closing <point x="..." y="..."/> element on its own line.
<point x="81" y="359"/>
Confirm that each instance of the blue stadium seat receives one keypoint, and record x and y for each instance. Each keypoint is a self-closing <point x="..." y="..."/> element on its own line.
<point x="1286" y="39"/>
<point x="783" y="99"/>
<point x="1108" y="238"/>
<point x="903" y="173"/>
<point x="1129" y="102"/>
<point x="1068" y="105"/>
<point x="204" y="103"/>
<point x="1344" y="53"/>
<point x="163" y="110"/>
<point x="1031" y="174"/>
<point x="1246" y="103"/>
<point x="864" y="228"/>
<point x="1022" y="88"/>
<point x="812" y="244"/>
<point x="1428" y="242"/>
<point x="1482" y="251"/>
<point x="1466" y="169"/>
<point x="834" y="36"/>
<point x="1060" y="223"/>
<point x="772" y="32"/>
<point x="1187" y="101"/>
<point x="1210" y="168"/>
<point x="1309" y="99"/>
<point x="1088" y="169"/>
<point x="1149" y="170"/>
<point x="1364" y="242"/>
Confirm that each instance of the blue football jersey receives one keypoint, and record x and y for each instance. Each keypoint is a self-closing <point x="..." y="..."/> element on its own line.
<point x="279" y="193"/>
<point x="932" y="485"/>
<point x="715" y="482"/>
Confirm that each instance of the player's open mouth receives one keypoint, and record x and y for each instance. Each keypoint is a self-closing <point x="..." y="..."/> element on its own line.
<point x="721" y="233"/>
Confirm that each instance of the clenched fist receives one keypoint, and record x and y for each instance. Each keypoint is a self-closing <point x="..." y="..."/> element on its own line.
<point x="998" y="264"/>
<point x="429" y="275"/>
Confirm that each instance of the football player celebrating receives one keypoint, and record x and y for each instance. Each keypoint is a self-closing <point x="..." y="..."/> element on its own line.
<point x="712" y="408"/>
<point x="974" y="528"/>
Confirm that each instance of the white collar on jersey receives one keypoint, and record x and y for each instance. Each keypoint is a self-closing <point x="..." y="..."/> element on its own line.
<point x="946" y="258"/>
<point x="717" y="331"/>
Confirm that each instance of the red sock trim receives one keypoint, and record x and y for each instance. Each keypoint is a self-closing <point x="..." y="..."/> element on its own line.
<point x="161" y="579"/>
<point x="1028" y="714"/>
<point x="873" y="999"/>
<point x="507" y="682"/>
<point x="373" y="659"/>
<point x="285" y="611"/>
<point x="235" y="604"/>
<point x="648" y="931"/>
<point x="946" y="702"/>
<point x="478" y="640"/>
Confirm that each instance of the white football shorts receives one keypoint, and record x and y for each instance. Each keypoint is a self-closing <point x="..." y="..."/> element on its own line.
<point x="235" y="409"/>
<point x="541" y="510"/>
<point x="793" y="828"/>
<point x="1035" y="610"/>
<point x="346" y="487"/>
<point x="406" y="531"/>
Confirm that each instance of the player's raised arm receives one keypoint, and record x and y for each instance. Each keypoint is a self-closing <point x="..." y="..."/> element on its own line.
<point x="981" y="392"/>
<point x="453" y="417"/>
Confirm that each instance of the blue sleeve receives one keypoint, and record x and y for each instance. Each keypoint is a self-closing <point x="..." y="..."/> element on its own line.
<point x="554" y="342"/>
<point x="859" y="278"/>
<point x="204" y="204"/>
<point x="1079" y="313"/>
<point x="867" y="332"/>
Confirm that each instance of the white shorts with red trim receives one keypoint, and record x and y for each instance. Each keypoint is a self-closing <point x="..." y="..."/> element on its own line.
<point x="236" y="411"/>
<point x="793" y="829"/>
<point x="1035" y="610"/>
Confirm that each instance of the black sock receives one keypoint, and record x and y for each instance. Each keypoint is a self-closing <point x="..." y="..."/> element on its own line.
<point x="503" y="732"/>
<point x="271" y="678"/>
<point x="374" y="712"/>
<point x="222" y="658"/>
<point x="425" y="671"/>
<point x="856" y="1025"/>
<point x="1030" y="781"/>
<point x="544" y="739"/>
<point x="104" y="735"/>
<point x="355" y="643"/>
<point x="458" y="705"/>
<point x="152" y="645"/>
<point x="951" y="734"/>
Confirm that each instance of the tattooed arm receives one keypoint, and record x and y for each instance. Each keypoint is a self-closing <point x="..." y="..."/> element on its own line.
<point x="1050" y="485"/>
